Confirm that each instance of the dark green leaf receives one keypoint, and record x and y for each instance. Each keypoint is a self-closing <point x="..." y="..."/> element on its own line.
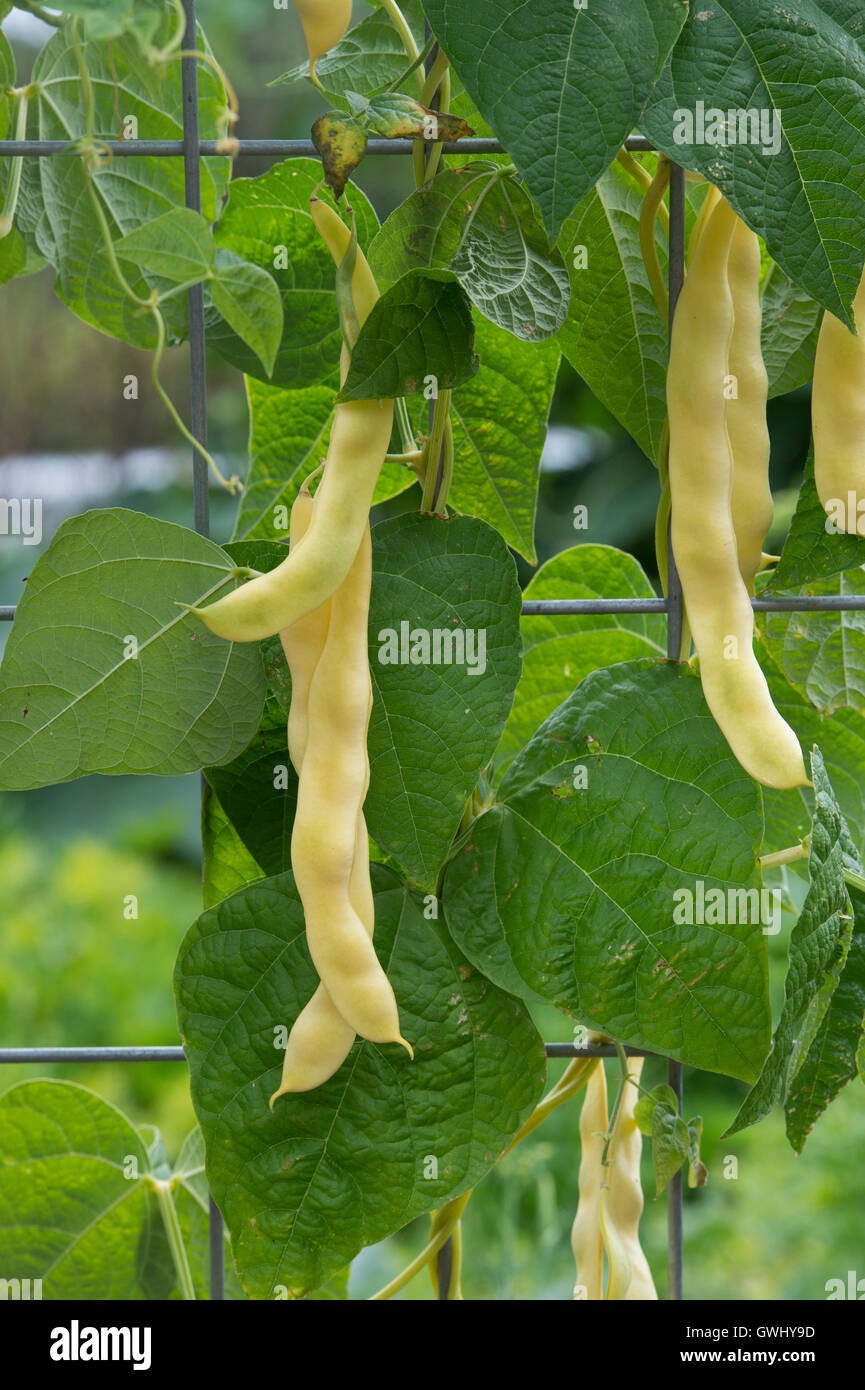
<point x="435" y="724"/>
<point x="818" y="949"/>
<point x="561" y="86"/>
<point x="588" y="884"/>
<point x="419" y="337"/>
<point x="813" y="550"/>
<point x="300" y="1191"/>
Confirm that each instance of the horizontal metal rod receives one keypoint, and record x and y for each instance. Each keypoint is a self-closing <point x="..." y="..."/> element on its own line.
<point x="289" y="148"/>
<point x="593" y="1050"/>
<point x="176" y="1054"/>
<point x="91" y="1054"/>
<point x="827" y="603"/>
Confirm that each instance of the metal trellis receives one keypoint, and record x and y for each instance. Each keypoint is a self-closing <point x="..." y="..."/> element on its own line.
<point x="191" y="149"/>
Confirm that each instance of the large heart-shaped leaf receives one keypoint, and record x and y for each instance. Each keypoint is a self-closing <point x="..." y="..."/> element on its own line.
<point x="795" y="170"/>
<point x="582" y="887"/>
<point x="444" y="655"/>
<point x="103" y="670"/>
<point x="303" y="1189"/>
<point x="561" y="85"/>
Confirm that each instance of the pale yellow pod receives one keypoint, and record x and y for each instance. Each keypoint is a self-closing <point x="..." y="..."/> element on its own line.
<point x="752" y="504"/>
<point x="623" y="1204"/>
<point x="358" y="443"/>
<point x="336" y="237"/>
<point x="838" y="418"/>
<point x="586" y="1239"/>
<point x="332" y="786"/>
<point x="704" y="542"/>
<point x="324" y="22"/>
<point x="320" y="1039"/>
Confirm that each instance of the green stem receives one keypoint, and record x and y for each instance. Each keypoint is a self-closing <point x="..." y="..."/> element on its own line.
<point x="624" y="1080"/>
<point x="56" y="21"/>
<point x="403" y="420"/>
<point x="439" y="76"/>
<point x="855" y="880"/>
<point x="644" y="179"/>
<point x="403" y="29"/>
<point x="433" y="490"/>
<point x="231" y="484"/>
<point x="168" y="1211"/>
<point x="651" y="204"/>
<point x="400" y="81"/>
<point x="431" y="1249"/>
<point x="411" y="456"/>
<point x="784" y="856"/>
<point x="164" y="55"/>
<point x="16" y="165"/>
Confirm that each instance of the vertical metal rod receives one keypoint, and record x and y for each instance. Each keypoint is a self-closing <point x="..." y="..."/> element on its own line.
<point x="676" y="276"/>
<point x="197" y="369"/>
<point x="675" y="1223"/>
<point x="198" y="421"/>
<point x="676" y="273"/>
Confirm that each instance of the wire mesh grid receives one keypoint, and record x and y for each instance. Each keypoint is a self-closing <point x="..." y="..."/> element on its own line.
<point x="191" y="149"/>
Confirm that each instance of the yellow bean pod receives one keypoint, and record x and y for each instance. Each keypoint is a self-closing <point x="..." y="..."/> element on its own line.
<point x="324" y="22"/>
<point x="751" y="504"/>
<point x="838" y="418"/>
<point x="331" y="789"/>
<point x="320" y="1039"/>
<point x="704" y="543"/>
<point x="630" y="1278"/>
<point x="586" y="1238"/>
<point x="358" y="443"/>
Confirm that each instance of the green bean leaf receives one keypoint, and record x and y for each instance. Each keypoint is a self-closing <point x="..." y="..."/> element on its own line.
<point x="300" y="1189"/>
<point x="616" y="876"/>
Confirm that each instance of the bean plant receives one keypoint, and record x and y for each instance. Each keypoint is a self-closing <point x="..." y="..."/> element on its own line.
<point x="588" y="808"/>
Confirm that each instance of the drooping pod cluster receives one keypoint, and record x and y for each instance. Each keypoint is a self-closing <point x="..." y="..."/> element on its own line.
<point x="607" y="1222"/>
<point x="317" y="600"/>
<point x="718" y="475"/>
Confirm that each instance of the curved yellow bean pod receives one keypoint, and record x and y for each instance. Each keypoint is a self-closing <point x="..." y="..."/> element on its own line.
<point x="332" y="786"/>
<point x="704" y="543"/>
<point x="358" y="443"/>
<point x="320" y="1039"/>
<point x="586" y="1239"/>
<point x="630" y="1277"/>
<point x="752" y="505"/>
<point x="838" y="418"/>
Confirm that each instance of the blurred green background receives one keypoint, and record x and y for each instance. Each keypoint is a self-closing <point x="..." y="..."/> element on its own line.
<point x="76" y="968"/>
